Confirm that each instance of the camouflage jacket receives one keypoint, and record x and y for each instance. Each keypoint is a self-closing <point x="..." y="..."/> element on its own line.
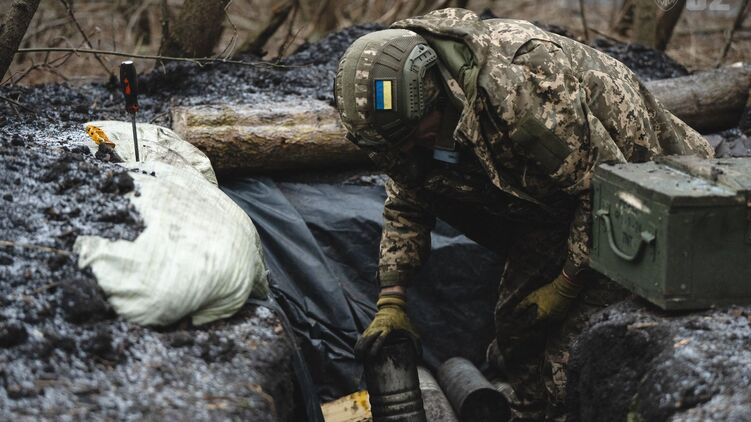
<point x="539" y="112"/>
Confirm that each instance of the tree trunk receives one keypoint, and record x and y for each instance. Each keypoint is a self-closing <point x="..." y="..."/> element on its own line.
<point x="624" y="19"/>
<point x="196" y="31"/>
<point x="644" y="31"/>
<point x="666" y="23"/>
<point x="709" y="101"/>
<point x="307" y="134"/>
<point x="271" y="136"/>
<point x="13" y="29"/>
<point x="255" y="45"/>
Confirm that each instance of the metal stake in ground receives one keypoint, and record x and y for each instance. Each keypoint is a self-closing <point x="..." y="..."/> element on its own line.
<point x="129" y="85"/>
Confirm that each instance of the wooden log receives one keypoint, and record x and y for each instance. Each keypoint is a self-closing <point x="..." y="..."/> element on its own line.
<point x="708" y="101"/>
<point x="286" y="135"/>
<point x="307" y="134"/>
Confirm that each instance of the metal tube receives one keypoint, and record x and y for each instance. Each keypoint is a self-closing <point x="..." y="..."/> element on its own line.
<point x="472" y="396"/>
<point x="437" y="406"/>
<point x="135" y="136"/>
<point x="393" y="385"/>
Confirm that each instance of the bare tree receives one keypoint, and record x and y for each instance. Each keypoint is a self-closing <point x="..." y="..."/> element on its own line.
<point x="647" y="25"/>
<point x="197" y="29"/>
<point x="255" y="44"/>
<point x="13" y="29"/>
<point x="666" y="23"/>
<point x="645" y="22"/>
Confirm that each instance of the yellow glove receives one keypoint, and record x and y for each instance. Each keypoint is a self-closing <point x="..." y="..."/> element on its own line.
<point x="391" y="318"/>
<point x="552" y="301"/>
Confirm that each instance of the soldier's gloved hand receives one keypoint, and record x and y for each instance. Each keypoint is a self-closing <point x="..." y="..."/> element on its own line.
<point x="391" y="318"/>
<point x="551" y="302"/>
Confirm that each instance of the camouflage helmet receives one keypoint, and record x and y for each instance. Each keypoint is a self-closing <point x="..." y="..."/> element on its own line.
<point x="381" y="88"/>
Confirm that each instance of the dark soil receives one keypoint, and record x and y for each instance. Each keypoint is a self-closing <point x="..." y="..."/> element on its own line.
<point x="731" y="143"/>
<point x="647" y="63"/>
<point x="62" y="350"/>
<point x="636" y="362"/>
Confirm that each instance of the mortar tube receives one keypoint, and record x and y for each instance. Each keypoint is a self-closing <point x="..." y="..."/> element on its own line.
<point x="393" y="385"/>
<point x="473" y="397"/>
<point x="437" y="406"/>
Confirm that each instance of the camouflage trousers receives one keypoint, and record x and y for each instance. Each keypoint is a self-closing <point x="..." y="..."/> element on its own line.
<point x="537" y="369"/>
<point x="533" y="244"/>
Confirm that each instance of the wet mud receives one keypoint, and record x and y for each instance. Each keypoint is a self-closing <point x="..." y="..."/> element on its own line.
<point x="636" y="362"/>
<point x="65" y="354"/>
<point x="63" y="351"/>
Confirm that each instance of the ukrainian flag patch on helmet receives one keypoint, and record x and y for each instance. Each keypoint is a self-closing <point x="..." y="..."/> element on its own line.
<point x="384" y="94"/>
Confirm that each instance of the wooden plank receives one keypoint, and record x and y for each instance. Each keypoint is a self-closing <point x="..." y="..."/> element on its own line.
<point x="352" y="408"/>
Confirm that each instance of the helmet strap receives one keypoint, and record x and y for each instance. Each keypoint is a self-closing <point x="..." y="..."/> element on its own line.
<point x="444" y="148"/>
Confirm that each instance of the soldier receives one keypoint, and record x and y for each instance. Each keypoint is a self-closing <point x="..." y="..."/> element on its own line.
<point x="495" y="126"/>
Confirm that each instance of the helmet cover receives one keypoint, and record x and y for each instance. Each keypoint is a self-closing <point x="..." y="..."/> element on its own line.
<point x="381" y="88"/>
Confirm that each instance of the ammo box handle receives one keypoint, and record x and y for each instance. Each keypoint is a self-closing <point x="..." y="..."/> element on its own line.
<point x="646" y="239"/>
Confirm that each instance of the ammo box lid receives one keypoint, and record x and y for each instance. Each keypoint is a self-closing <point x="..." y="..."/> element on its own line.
<point x="665" y="184"/>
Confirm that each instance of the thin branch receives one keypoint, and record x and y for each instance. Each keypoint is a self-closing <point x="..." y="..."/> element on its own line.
<point x="736" y="24"/>
<point x="608" y="36"/>
<point x="584" y="21"/>
<point x="230" y="48"/>
<point x="200" y="61"/>
<point x="31" y="246"/>
<point x="289" y="38"/>
<point x="72" y="16"/>
<point x="14" y="102"/>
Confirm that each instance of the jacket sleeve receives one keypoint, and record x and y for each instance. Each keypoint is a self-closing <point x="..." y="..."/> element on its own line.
<point x="551" y="126"/>
<point x="405" y="242"/>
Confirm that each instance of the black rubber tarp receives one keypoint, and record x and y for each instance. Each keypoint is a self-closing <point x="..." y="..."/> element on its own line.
<point x="320" y="242"/>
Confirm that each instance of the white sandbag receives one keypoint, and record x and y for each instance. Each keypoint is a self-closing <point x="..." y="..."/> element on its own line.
<point x="198" y="255"/>
<point x="155" y="143"/>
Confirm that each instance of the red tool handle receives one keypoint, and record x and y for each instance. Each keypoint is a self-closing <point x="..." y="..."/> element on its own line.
<point x="129" y="85"/>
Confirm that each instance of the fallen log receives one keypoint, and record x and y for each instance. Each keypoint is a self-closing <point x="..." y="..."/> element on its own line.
<point x="307" y="134"/>
<point x="289" y="135"/>
<point x="708" y="101"/>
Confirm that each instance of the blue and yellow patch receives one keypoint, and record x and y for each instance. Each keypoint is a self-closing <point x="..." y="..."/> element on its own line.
<point x="384" y="94"/>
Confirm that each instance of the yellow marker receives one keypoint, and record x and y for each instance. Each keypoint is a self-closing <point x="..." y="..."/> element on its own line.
<point x="387" y="95"/>
<point x="98" y="136"/>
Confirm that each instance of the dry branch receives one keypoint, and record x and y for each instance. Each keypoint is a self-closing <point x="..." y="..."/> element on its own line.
<point x="200" y="61"/>
<point x="13" y="29"/>
<point x="72" y="16"/>
<point x="736" y="25"/>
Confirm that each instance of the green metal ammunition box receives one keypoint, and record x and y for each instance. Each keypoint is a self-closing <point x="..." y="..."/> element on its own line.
<point x="677" y="232"/>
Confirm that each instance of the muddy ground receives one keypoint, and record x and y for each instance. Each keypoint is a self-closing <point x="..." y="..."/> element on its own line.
<point x="637" y="362"/>
<point x="62" y="350"/>
<point x="64" y="354"/>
